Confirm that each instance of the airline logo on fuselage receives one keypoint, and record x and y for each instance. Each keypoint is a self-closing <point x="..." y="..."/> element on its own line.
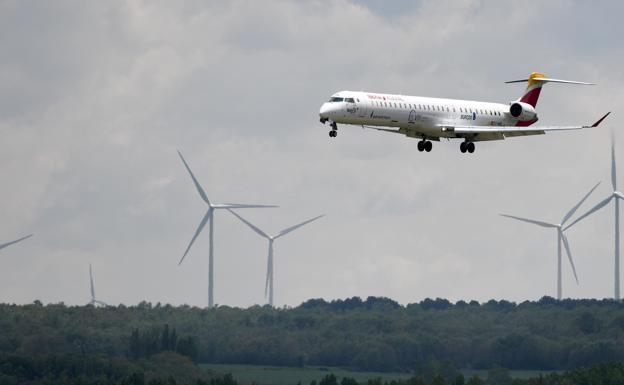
<point x="384" y="97"/>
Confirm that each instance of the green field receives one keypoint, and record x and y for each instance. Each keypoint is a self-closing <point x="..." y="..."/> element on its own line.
<point x="277" y="375"/>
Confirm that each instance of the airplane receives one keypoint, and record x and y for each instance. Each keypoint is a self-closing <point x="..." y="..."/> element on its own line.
<point x="430" y="119"/>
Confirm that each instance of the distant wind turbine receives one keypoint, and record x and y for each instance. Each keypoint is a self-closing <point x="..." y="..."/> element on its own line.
<point x="94" y="301"/>
<point x="209" y="217"/>
<point x="616" y="196"/>
<point x="2" y="246"/>
<point x="268" y="287"/>
<point x="561" y="238"/>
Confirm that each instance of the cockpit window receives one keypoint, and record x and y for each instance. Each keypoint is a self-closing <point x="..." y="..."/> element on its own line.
<point x="334" y="99"/>
<point x="349" y="100"/>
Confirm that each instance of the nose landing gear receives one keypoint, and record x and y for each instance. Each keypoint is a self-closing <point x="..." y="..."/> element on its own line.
<point x="425" y="145"/>
<point x="467" y="146"/>
<point x="334" y="130"/>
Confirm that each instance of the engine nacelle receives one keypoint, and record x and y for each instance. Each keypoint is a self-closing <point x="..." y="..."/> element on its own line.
<point x="522" y="111"/>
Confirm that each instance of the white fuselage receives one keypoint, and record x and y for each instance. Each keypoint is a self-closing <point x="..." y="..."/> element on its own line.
<point x="416" y="116"/>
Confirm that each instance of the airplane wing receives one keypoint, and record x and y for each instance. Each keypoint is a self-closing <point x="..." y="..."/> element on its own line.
<point x="499" y="131"/>
<point x="395" y="131"/>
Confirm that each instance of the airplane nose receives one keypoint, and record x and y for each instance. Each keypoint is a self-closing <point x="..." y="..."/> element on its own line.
<point x="324" y="111"/>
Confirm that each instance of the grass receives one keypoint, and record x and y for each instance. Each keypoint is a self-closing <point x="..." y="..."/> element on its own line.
<point x="279" y="375"/>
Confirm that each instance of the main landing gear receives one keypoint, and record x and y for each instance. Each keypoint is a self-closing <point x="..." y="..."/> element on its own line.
<point x="334" y="130"/>
<point x="467" y="146"/>
<point x="425" y="145"/>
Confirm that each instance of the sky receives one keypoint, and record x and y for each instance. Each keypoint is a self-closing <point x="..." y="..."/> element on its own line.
<point x="96" y="97"/>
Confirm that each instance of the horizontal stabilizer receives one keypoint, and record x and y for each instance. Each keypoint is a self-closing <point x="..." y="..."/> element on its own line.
<point x="549" y="80"/>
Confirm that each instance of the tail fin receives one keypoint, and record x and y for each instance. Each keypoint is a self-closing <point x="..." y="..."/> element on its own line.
<point x="534" y="87"/>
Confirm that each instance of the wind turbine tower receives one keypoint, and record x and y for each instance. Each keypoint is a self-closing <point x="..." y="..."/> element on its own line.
<point x="268" y="287"/>
<point x="616" y="196"/>
<point x="561" y="238"/>
<point x="209" y="217"/>
<point x="94" y="301"/>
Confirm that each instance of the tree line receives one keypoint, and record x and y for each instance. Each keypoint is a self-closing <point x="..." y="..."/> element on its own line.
<point x="372" y="334"/>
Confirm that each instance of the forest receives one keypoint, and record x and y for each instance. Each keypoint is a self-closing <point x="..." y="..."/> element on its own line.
<point x="374" y="334"/>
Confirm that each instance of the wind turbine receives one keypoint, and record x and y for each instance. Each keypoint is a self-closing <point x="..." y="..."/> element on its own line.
<point x="561" y="238"/>
<point x="268" y="287"/>
<point x="93" y="300"/>
<point x="616" y="196"/>
<point x="209" y="217"/>
<point x="2" y="246"/>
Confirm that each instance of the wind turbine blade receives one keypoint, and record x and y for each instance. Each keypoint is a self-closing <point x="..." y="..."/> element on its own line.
<point x="240" y="206"/>
<point x="199" y="230"/>
<point x="295" y="227"/>
<point x="613" y="171"/>
<point x="600" y="205"/>
<point x="101" y="303"/>
<point x="92" y="286"/>
<point x="539" y="223"/>
<point x="199" y="188"/>
<point x="567" y="249"/>
<point x="2" y="246"/>
<point x="251" y="226"/>
<point x="573" y="210"/>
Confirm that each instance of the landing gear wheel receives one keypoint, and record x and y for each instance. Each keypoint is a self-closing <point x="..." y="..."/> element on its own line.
<point x="334" y="130"/>
<point x="462" y="147"/>
<point x="470" y="147"/>
<point x="421" y="145"/>
<point x="428" y="146"/>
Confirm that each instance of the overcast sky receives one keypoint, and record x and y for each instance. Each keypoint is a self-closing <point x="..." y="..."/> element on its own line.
<point x="95" y="98"/>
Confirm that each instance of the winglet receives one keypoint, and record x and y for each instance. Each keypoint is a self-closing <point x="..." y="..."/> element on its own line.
<point x="601" y="119"/>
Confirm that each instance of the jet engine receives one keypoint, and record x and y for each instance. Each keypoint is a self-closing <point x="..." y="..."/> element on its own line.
<point x="522" y="111"/>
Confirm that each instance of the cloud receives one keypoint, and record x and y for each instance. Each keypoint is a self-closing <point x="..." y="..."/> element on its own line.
<point x="96" y="97"/>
